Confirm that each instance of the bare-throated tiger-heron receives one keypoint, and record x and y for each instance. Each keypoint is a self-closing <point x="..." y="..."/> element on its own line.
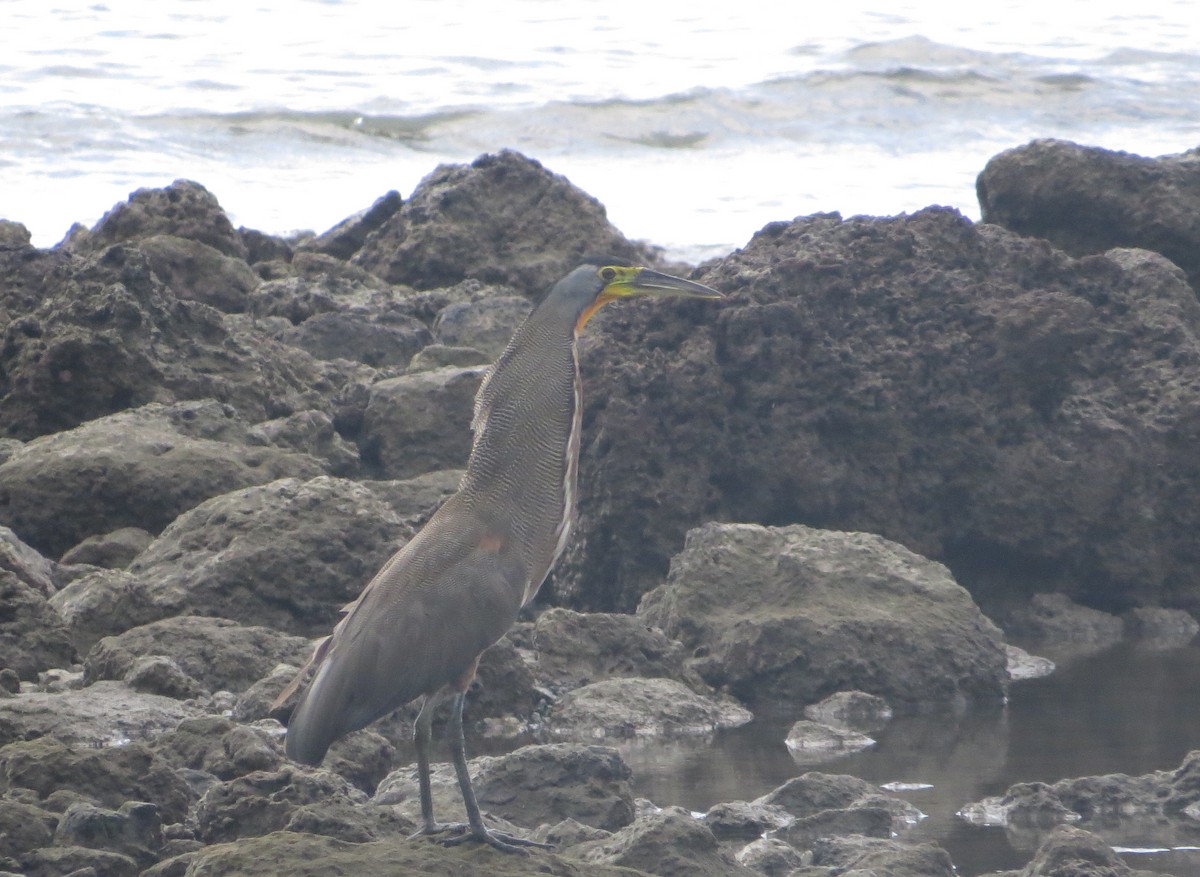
<point x="456" y="587"/>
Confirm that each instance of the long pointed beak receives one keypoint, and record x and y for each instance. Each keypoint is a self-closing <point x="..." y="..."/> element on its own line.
<point x="655" y="283"/>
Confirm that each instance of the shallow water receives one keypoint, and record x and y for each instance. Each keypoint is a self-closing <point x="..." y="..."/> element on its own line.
<point x="1128" y="710"/>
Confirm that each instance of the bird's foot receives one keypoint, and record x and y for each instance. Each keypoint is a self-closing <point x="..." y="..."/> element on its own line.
<point x="432" y="828"/>
<point x="507" y="843"/>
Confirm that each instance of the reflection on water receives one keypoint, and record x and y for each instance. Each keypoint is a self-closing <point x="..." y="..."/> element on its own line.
<point x="1129" y="710"/>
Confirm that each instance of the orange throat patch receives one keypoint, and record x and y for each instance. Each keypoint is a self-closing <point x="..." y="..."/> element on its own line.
<point x="590" y="311"/>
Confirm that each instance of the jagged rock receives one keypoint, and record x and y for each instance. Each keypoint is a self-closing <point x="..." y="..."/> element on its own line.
<point x="263" y="247"/>
<point x="865" y="855"/>
<point x="139" y="468"/>
<point x="107" y="777"/>
<point x="104" y="714"/>
<point x="24" y="827"/>
<point x="26" y="563"/>
<point x="220" y="747"/>
<point x="669" y="843"/>
<point x="437" y="356"/>
<point x="14" y="235"/>
<point x="851" y="710"/>
<point x="1073" y="852"/>
<point x="569" y="649"/>
<point x="533" y="785"/>
<point x="502" y="219"/>
<point x="568" y="833"/>
<point x="310" y="855"/>
<point x="133" y="830"/>
<point x="794" y="614"/>
<point x="804" y="832"/>
<point x="744" y="820"/>
<point x="347" y="237"/>
<point x="77" y="862"/>
<point x="241" y="556"/>
<point x="220" y="654"/>
<point x="485" y="325"/>
<point x="158" y="674"/>
<point x="419" y="422"/>
<point x="184" y="209"/>
<point x="976" y="396"/>
<point x="814" y="792"/>
<point x="1161" y="628"/>
<point x="1084" y="199"/>
<point x="1056" y="619"/>
<point x="311" y="433"/>
<point x="196" y="271"/>
<point x="92" y="336"/>
<point x="1022" y="665"/>
<point x="1147" y="802"/>
<point x="417" y="498"/>
<point x="317" y="802"/>
<point x="350" y="334"/>
<point x="33" y="636"/>
<point x="630" y="707"/>
<point x="813" y="743"/>
<point x="771" y="857"/>
<point x="115" y="550"/>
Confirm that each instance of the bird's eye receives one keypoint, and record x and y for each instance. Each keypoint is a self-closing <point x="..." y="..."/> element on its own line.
<point x="608" y="273"/>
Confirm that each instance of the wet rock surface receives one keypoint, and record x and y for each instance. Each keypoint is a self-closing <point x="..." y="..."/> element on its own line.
<point x="792" y="614"/>
<point x="192" y="416"/>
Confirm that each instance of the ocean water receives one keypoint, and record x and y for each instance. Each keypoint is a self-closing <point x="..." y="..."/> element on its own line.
<point x="695" y="124"/>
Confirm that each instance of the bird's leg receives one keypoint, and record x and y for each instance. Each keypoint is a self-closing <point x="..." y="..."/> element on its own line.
<point x="422" y="733"/>
<point x="477" y="830"/>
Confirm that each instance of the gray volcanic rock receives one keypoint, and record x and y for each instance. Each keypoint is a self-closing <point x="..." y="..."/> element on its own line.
<point x="979" y="397"/>
<point x="641" y="707"/>
<point x="568" y="649"/>
<point x="1073" y="852"/>
<point x="794" y="614"/>
<point x="107" y="777"/>
<point x="347" y="237"/>
<point x="309" y="855"/>
<point x="485" y="325"/>
<point x="535" y="784"/>
<point x="104" y="714"/>
<point x="89" y="336"/>
<point x="115" y="550"/>
<point x="33" y="636"/>
<point x="139" y="468"/>
<point x="1084" y="199"/>
<point x="872" y="855"/>
<point x="23" y="828"/>
<point x="196" y="271"/>
<point x="220" y="654"/>
<point x="292" y="799"/>
<point x="26" y="563"/>
<point x="419" y="422"/>
<point x="312" y="433"/>
<point x="363" y="337"/>
<point x="669" y="843"/>
<point x="1162" y="803"/>
<point x="288" y="555"/>
<point x="133" y="830"/>
<point x="184" y="209"/>
<point x="502" y="219"/>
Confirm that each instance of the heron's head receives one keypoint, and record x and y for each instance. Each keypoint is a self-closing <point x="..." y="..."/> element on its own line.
<point x="599" y="280"/>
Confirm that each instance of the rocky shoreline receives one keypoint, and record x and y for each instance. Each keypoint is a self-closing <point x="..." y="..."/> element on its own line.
<point x="900" y="442"/>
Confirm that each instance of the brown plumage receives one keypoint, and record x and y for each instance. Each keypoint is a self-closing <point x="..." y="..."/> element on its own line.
<point x="421" y="623"/>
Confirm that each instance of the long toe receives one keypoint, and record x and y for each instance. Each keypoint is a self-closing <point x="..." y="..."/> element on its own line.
<point x="508" y="843"/>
